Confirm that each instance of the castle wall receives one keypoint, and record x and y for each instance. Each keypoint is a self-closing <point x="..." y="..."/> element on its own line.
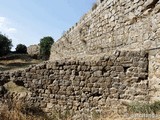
<point x="116" y="25"/>
<point x="122" y="24"/>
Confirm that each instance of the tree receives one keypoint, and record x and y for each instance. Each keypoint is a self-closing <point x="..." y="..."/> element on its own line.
<point x="45" y="47"/>
<point x="21" y="48"/>
<point x="5" y="45"/>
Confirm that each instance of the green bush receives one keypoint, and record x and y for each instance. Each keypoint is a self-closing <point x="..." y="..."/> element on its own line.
<point x="45" y="47"/>
<point x="21" y="49"/>
<point x="5" y="45"/>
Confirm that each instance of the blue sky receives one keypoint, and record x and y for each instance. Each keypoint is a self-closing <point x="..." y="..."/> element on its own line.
<point x="27" y="21"/>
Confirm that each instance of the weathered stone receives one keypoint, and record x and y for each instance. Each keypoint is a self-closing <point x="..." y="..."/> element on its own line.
<point x="94" y="68"/>
<point x="119" y="69"/>
<point x="34" y="51"/>
<point x="97" y="73"/>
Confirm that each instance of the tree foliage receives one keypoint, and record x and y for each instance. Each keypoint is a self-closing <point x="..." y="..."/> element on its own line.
<point x="5" y="45"/>
<point x="21" y="48"/>
<point x="45" y="47"/>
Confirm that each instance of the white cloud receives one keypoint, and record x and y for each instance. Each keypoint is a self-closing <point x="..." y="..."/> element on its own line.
<point x="2" y="21"/>
<point x="6" y="26"/>
<point x="12" y="30"/>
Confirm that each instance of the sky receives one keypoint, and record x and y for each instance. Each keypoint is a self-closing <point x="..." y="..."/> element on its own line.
<point x="27" y="21"/>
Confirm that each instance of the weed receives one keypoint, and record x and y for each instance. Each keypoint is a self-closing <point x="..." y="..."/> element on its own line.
<point x="61" y="115"/>
<point x="95" y="115"/>
<point x="18" y="110"/>
<point x="94" y="6"/>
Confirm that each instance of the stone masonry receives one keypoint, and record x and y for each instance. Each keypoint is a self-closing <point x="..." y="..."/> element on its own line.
<point x="84" y="86"/>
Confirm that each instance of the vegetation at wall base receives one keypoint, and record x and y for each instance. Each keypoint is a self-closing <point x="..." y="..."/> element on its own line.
<point x="20" y="110"/>
<point x="146" y="108"/>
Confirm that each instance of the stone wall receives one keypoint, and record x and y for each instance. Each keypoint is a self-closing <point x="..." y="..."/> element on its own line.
<point x="85" y="86"/>
<point x="114" y="24"/>
<point x="154" y="74"/>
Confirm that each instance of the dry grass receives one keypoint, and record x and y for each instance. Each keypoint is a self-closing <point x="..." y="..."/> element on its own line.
<point x="7" y="62"/>
<point x="144" y="108"/>
<point x="12" y="87"/>
<point x="16" y="64"/>
<point x="14" y="110"/>
<point x="138" y="111"/>
<point x="19" y="110"/>
<point x="61" y="115"/>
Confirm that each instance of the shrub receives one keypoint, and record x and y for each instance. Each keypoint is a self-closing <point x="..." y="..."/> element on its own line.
<point x="45" y="47"/>
<point x="21" y="48"/>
